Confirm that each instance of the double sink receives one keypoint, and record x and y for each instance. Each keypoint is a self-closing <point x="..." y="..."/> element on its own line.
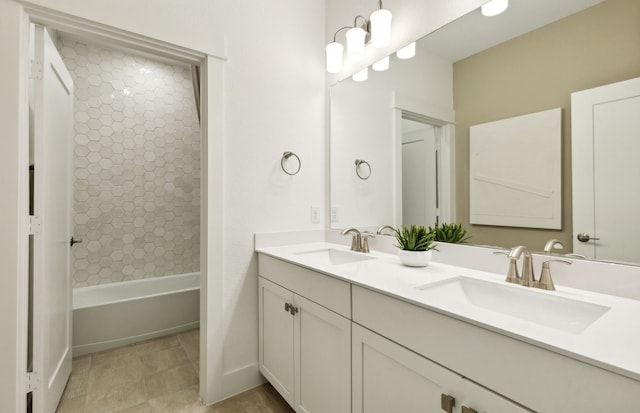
<point x="475" y="295"/>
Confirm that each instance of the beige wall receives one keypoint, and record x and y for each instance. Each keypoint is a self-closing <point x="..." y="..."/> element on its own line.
<point x="535" y="72"/>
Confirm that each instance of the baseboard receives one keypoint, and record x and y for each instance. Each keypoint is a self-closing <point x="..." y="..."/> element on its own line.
<point x="241" y="379"/>
<point x="81" y="350"/>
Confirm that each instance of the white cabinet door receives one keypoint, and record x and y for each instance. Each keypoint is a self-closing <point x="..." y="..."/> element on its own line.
<point x="276" y="338"/>
<point x="323" y="354"/>
<point x="390" y="378"/>
<point x="304" y="351"/>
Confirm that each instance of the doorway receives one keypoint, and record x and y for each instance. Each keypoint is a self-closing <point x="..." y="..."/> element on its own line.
<point x="209" y="148"/>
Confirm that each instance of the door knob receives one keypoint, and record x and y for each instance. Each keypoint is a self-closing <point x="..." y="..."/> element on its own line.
<point x="584" y="237"/>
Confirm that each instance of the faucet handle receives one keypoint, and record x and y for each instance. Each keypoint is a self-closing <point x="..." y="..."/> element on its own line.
<point x="365" y="241"/>
<point x="546" y="283"/>
<point x="512" y="274"/>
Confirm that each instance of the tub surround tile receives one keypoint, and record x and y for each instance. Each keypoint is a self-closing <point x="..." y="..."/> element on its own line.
<point x="136" y="166"/>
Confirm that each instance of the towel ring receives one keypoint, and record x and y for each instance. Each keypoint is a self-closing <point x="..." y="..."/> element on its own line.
<point x="362" y="176"/>
<point x="286" y="156"/>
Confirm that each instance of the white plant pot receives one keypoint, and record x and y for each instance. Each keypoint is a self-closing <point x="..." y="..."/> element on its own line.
<point x="414" y="258"/>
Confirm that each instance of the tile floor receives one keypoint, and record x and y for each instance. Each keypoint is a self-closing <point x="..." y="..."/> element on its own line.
<point x="155" y="376"/>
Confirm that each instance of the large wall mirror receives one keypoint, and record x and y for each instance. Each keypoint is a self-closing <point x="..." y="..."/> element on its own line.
<point x="411" y="123"/>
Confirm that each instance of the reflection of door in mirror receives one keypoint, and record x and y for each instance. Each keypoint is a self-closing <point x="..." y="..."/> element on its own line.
<point x="419" y="173"/>
<point x="605" y="151"/>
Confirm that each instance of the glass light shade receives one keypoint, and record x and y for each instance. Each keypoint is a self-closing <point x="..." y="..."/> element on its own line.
<point x="407" y="52"/>
<point x="381" y="65"/>
<point x="380" y="28"/>
<point x="362" y="75"/>
<point x="355" y="43"/>
<point x="334" y="57"/>
<point x="494" y="7"/>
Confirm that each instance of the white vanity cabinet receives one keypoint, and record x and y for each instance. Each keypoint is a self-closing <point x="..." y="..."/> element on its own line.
<point x="390" y="378"/>
<point x="305" y="336"/>
<point x="534" y="378"/>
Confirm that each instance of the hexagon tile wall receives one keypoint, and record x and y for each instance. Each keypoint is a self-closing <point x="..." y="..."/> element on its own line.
<point x="136" y="166"/>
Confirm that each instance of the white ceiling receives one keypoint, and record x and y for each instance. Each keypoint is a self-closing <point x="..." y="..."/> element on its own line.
<point x="474" y="32"/>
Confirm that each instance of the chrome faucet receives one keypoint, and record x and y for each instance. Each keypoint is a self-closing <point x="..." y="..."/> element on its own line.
<point x="553" y="244"/>
<point x="382" y="228"/>
<point x="356" y="241"/>
<point x="528" y="278"/>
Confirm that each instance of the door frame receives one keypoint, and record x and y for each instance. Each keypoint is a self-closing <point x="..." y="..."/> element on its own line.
<point x="443" y="120"/>
<point x="211" y="208"/>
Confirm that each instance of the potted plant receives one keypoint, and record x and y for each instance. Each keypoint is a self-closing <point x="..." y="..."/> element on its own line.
<point x="452" y="233"/>
<point x="415" y="243"/>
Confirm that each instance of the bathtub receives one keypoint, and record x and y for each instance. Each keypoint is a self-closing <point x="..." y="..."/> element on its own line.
<point x="113" y="315"/>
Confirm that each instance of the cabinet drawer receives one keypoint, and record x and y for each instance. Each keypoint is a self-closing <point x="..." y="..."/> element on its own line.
<point x="540" y="379"/>
<point x="325" y="290"/>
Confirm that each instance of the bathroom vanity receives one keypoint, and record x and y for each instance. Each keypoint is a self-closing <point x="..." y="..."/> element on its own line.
<point x="351" y="332"/>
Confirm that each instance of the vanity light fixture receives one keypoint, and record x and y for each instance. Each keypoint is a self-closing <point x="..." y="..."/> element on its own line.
<point x="356" y="37"/>
<point x="377" y="29"/>
<point x="380" y="27"/>
<point x="494" y="7"/>
<point x="407" y="52"/>
<point x="381" y="65"/>
<point x="361" y="76"/>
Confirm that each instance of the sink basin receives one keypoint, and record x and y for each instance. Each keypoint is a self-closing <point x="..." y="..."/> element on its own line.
<point x="535" y="306"/>
<point x="335" y="257"/>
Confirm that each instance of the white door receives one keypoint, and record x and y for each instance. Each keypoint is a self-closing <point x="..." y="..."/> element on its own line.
<point x="323" y="355"/>
<point x="53" y="134"/>
<point x="419" y="173"/>
<point x="605" y="168"/>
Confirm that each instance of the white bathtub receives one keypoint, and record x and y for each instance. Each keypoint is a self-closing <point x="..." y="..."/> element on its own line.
<point x="112" y="315"/>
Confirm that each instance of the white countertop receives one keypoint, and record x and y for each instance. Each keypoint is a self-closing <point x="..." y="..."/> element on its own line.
<point x="611" y="342"/>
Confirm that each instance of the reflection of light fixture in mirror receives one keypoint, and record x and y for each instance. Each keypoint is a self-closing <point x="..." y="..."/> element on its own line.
<point x="407" y="52"/>
<point x="494" y="7"/>
<point x="381" y="65"/>
<point x="362" y="75"/>
<point x="380" y="27"/>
